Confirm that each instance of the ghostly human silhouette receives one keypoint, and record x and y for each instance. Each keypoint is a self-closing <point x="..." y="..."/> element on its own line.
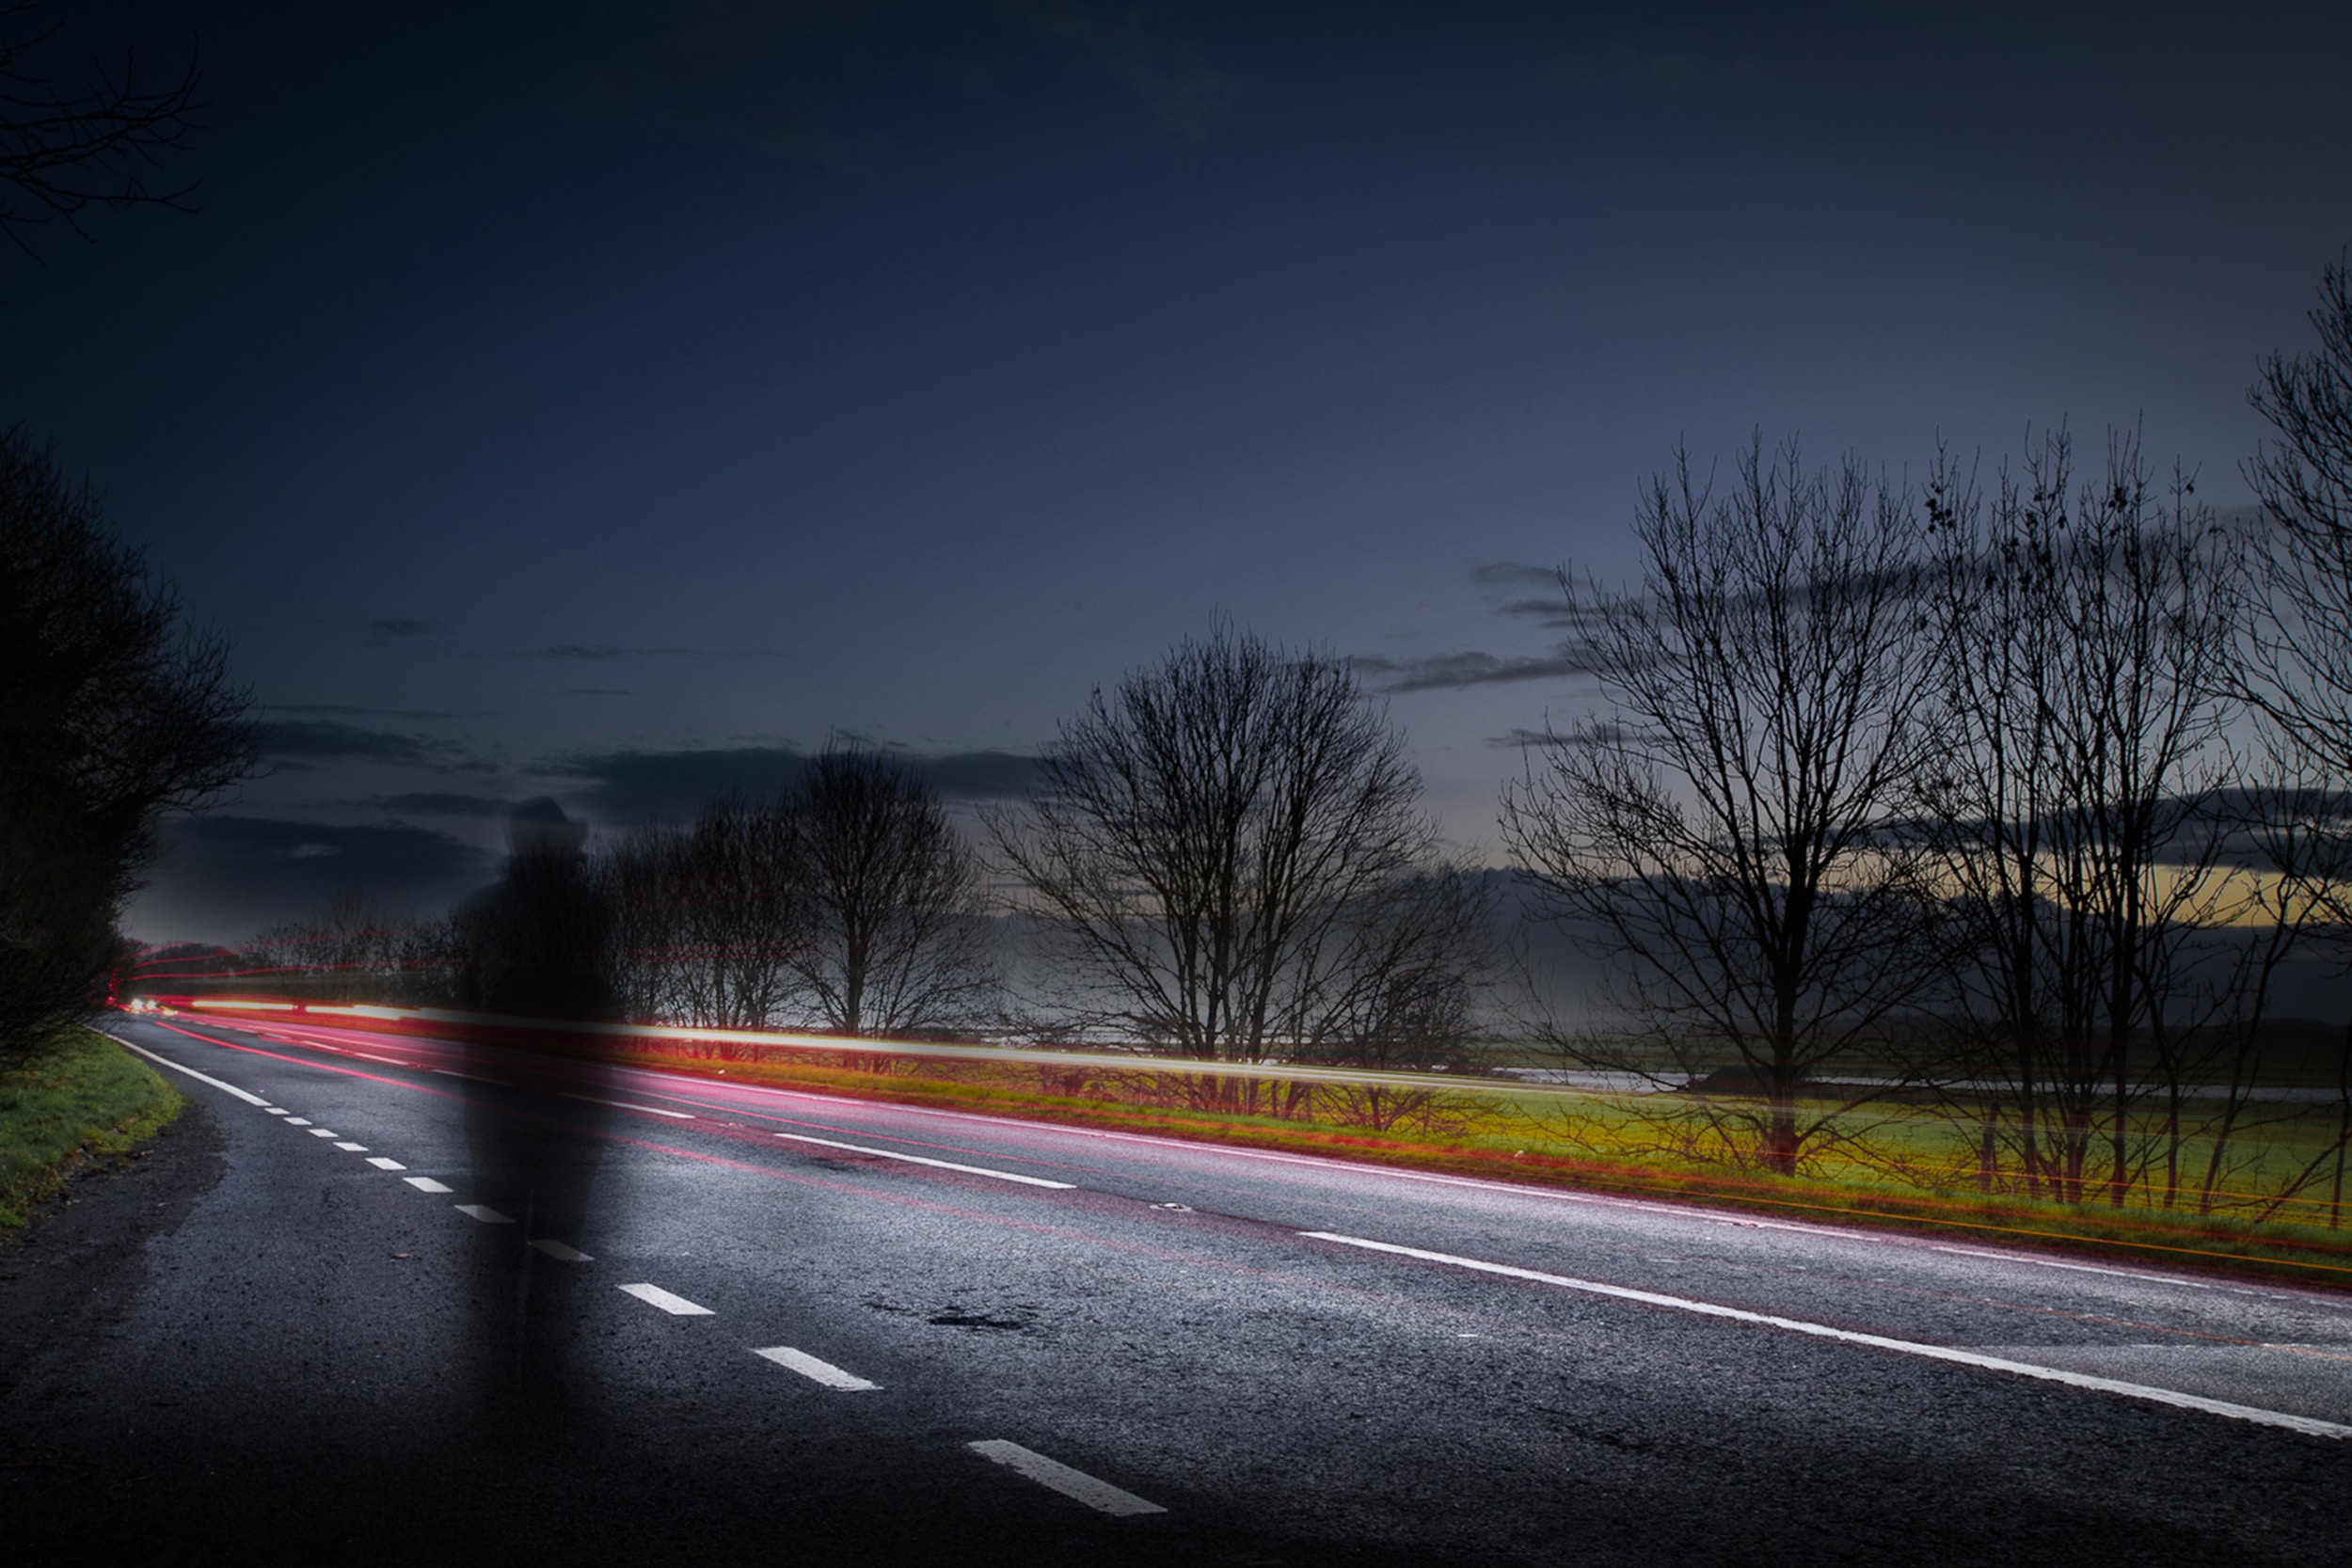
<point x="535" y="947"/>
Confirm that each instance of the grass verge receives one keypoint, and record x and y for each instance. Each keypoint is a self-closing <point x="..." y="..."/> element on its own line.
<point x="81" y="1097"/>
<point x="2171" y="1241"/>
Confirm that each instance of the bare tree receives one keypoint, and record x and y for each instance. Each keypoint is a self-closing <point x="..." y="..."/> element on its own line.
<point x="890" y="938"/>
<point x="2296" y="830"/>
<point x="354" y="949"/>
<point x="2299" y="670"/>
<point x="1406" y="997"/>
<point x="1230" y="850"/>
<point x="2298" y="674"/>
<point x="2090" y="638"/>
<point x="1403" y="989"/>
<point x="1716" y="833"/>
<point x="65" y="151"/>
<point x="113" y="712"/>
<point x="708" y="916"/>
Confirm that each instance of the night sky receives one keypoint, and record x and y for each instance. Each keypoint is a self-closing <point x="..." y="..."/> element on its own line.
<point x="616" y="402"/>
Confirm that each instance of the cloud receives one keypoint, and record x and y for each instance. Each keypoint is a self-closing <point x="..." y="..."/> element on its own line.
<point x="442" y="803"/>
<point x="980" y="775"/>
<point x="345" y="710"/>
<point x="302" y="742"/>
<point x="1454" y="672"/>
<point x="382" y="633"/>
<point x="599" y="651"/>
<point x="1604" y="732"/>
<point x="637" y="786"/>
<point x="1555" y="614"/>
<point x="1514" y="574"/>
<point x="223" y="878"/>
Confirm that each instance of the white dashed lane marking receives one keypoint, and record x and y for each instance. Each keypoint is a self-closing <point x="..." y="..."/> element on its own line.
<point x="426" y="1184"/>
<point x="276" y="1111"/>
<point x="380" y="1162"/>
<point x="560" y="1253"/>
<point x="321" y="1133"/>
<point x="936" y="1164"/>
<point x="1098" y="1495"/>
<point x="297" y="1121"/>
<point x="484" y="1212"/>
<point x="813" y="1369"/>
<point x="353" y="1149"/>
<point x="675" y="1305"/>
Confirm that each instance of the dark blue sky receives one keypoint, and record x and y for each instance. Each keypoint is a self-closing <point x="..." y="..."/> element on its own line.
<point x="615" y="408"/>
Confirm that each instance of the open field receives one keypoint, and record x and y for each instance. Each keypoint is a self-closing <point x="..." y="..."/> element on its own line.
<point x="82" y="1098"/>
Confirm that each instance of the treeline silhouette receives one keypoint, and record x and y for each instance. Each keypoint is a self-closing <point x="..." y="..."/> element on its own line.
<point x="2011" y="798"/>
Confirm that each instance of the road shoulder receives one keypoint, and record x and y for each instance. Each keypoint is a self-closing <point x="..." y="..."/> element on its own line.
<point x="81" y="1258"/>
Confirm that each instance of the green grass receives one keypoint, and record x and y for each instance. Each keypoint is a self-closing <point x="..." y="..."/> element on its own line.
<point x="1917" y="1176"/>
<point x="82" y="1094"/>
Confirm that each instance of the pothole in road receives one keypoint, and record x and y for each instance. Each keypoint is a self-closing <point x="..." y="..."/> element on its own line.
<point x="976" y="1320"/>
<point x="1020" y="1319"/>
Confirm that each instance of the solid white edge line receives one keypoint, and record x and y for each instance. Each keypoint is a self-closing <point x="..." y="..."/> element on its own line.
<point x="815" y="1371"/>
<point x="624" y="1105"/>
<point x="675" y="1305"/>
<point x="1098" y="1495"/>
<point x="200" y="1077"/>
<point x="940" y="1165"/>
<point x="2079" y="1268"/>
<point x="2310" y="1426"/>
<point x="560" y="1252"/>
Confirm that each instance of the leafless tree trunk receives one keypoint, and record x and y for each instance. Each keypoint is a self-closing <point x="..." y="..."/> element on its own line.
<point x="1717" y="833"/>
<point x="1230" y="847"/>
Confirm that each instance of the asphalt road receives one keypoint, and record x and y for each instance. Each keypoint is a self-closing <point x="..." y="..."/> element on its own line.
<point x="394" y="1300"/>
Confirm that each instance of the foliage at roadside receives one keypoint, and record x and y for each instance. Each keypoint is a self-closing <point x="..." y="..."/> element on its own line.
<point x="81" y="1097"/>
<point x="115" y="711"/>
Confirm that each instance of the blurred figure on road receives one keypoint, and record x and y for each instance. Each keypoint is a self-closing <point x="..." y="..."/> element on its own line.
<point x="536" y="949"/>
